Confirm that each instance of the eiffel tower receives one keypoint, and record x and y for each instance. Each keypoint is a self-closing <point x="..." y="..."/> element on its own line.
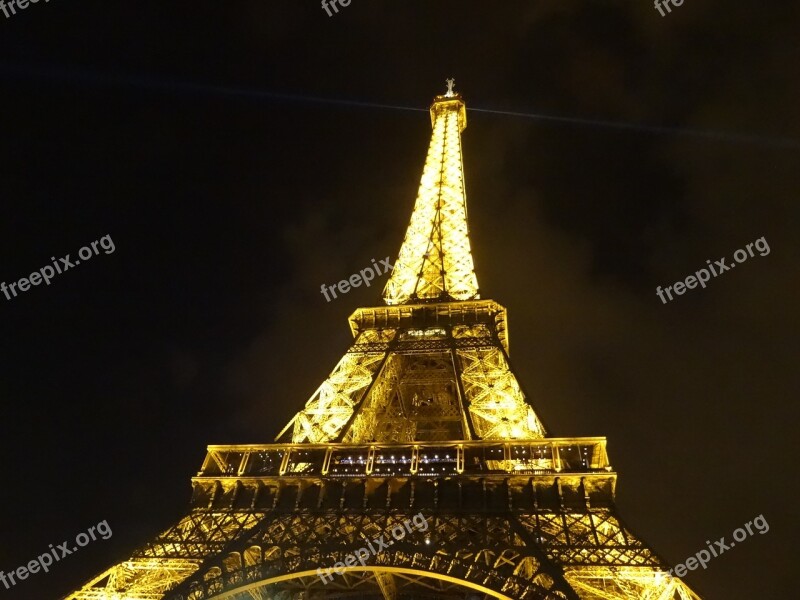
<point x="423" y="415"/>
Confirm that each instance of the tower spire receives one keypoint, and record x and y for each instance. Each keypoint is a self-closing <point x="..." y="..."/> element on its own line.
<point x="435" y="260"/>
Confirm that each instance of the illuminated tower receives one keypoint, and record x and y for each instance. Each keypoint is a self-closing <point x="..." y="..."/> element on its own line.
<point x="423" y="414"/>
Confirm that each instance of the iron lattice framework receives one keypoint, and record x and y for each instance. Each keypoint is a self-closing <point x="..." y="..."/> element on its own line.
<point x="435" y="261"/>
<point x="422" y="415"/>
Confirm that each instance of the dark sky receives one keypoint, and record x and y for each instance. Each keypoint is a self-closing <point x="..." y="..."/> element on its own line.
<point x="186" y="132"/>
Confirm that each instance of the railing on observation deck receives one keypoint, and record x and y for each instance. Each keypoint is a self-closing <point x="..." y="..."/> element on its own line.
<point x="424" y="459"/>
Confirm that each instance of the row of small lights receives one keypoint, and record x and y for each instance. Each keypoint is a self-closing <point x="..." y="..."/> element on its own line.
<point x="424" y="458"/>
<point x="393" y="460"/>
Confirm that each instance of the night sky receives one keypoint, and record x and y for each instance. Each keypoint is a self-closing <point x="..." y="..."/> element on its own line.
<point x="241" y="154"/>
